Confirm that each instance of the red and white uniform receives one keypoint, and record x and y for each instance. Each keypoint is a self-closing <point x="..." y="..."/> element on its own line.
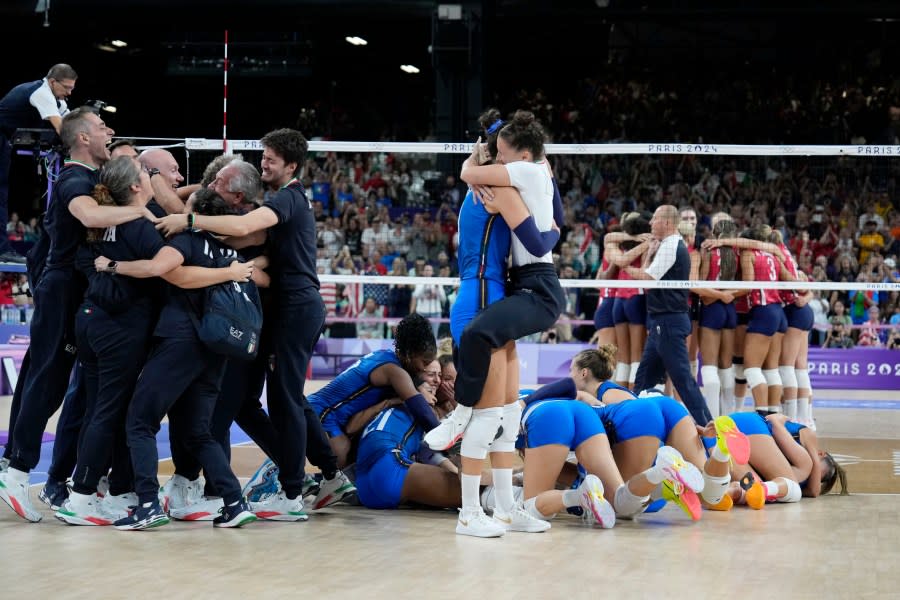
<point x="605" y="292"/>
<point x="788" y="296"/>
<point x="625" y="293"/>
<point x="765" y="269"/>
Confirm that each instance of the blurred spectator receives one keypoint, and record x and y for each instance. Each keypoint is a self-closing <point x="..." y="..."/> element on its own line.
<point x="838" y="336"/>
<point x="370" y="330"/>
<point x="428" y="300"/>
<point x="819" y="306"/>
<point x="871" y="334"/>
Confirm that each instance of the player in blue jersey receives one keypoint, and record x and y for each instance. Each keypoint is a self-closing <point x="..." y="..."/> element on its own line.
<point x="786" y="461"/>
<point x="373" y="378"/>
<point x="637" y="427"/>
<point x="487" y="364"/>
<point x="483" y="251"/>
<point x="393" y="466"/>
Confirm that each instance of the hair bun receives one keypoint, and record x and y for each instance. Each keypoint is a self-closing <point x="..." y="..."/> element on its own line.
<point x="523" y="117"/>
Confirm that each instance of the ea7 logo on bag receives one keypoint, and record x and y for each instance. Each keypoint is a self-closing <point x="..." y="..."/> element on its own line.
<point x="235" y="333"/>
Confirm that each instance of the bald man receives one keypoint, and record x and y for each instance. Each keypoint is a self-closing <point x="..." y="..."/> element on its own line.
<point x="667" y="308"/>
<point x="166" y="177"/>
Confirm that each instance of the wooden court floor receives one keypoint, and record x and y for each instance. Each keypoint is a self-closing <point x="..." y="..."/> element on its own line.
<point x="831" y="547"/>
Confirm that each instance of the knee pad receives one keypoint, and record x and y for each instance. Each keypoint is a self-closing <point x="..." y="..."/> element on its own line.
<point x="481" y="432"/>
<point x="793" y="491"/>
<point x="506" y="441"/>
<point x="710" y="375"/>
<point x="622" y="372"/>
<point x="628" y="505"/>
<point x="531" y="509"/>
<point x="788" y="377"/>
<point x="754" y="376"/>
<point x="714" y="488"/>
<point x="802" y="376"/>
<point x="772" y="377"/>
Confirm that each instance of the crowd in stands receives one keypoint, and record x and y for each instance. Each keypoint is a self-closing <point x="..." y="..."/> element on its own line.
<point x="838" y="216"/>
<point x="390" y="214"/>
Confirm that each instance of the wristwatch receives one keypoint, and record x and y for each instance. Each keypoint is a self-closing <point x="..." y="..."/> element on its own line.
<point x="111" y="266"/>
<point x="152" y="172"/>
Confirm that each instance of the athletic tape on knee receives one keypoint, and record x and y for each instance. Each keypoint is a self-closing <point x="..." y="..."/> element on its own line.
<point x="754" y="376"/>
<point x="772" y="377"/>
<point x="531" y="509"/>
<point x="714" y="487"/>
<point x="802" y="376"/>
<point x="793" y="491"/>
<point x="788" y="377"/>
<point x="632" y="372"/>
<point x="627" y="504"/>
<point x="506" y="441"/>
<point x="622" y="371"/>
<point x="481" y="432"/>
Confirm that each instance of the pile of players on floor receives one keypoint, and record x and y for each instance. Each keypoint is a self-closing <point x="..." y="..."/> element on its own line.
<point x="589" y="447"/>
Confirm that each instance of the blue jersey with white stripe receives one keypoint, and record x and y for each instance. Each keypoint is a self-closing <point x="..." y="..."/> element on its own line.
<point x="351" y="391"/>
<point x="483" y="242"/>
<point x="392" y="430"/>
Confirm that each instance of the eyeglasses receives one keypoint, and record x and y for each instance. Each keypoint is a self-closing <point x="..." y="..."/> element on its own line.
<point x="66" y="86"/>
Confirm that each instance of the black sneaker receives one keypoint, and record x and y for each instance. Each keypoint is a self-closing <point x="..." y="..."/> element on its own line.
<point x="54" y="494"/>
<point x="145" y="516"/>
<point x="12" y="257"/>
<point x="236" y="515"/>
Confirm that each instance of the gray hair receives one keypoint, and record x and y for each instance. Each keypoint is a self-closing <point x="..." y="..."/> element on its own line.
<point x="216" y="165"/>
<point x="246" y="179"/>
<point x="61" y="71"/>
<point x="118" y="176"/>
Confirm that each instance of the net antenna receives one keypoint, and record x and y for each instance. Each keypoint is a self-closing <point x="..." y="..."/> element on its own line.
<point x="43" y="6"/>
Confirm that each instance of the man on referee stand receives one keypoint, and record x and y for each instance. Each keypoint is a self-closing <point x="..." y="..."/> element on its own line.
<point x="667" y="308"/>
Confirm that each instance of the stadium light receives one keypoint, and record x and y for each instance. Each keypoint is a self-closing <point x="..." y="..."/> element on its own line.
<point x="356" y="40"/>
<point x="409" y="69"/>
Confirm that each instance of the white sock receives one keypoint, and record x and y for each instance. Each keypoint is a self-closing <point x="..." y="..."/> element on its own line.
<point x="726" y="378"/>
<point x="503" y="490"/>
<point x="655" y="475"/>
<point x="627" y="504"/>
<point x="632" y="372"/>
<point x="531" y="508"/>
<point x="771" y="489"/>
<point x="572" y="498"/>
<point x="470" y="486"/>
<point x="717" y="455"/>
<point x="790" y="408"/>
<point x="711" y="387"/>
<point x="775" y="409"/>
<point x="803" y="408"/>
<point x="694" y="365"/>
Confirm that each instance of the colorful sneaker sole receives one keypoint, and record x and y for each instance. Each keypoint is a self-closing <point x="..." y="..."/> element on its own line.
<point x="73" y="519"/>
<point x="17" y="507"/>
<point x="687" y="500"/>
<point x="732" y="440"/>
<point x="270" y="515"/>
